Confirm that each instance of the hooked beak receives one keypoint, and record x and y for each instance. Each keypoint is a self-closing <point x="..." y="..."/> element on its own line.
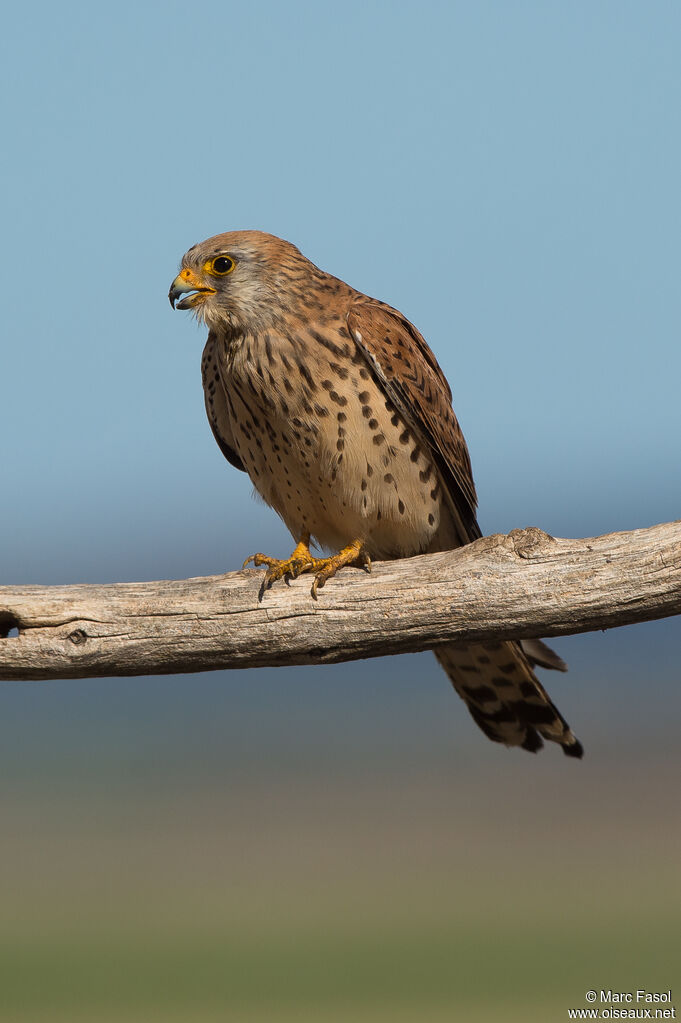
<point x="188" y="283"/>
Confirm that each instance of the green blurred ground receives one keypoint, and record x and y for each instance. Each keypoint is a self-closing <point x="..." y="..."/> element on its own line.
<point x="501" y="890"/>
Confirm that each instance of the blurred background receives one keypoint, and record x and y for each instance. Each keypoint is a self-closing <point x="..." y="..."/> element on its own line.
<point x="338" y="843"/>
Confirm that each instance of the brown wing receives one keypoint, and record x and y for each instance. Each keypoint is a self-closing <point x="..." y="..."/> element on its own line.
<point x="409" y="374"/>
<point x="495" y="680"/>
<point x="216" y="403"/>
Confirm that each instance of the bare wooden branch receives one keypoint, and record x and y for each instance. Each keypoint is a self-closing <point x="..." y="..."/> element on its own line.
<point x="526" y="584"/>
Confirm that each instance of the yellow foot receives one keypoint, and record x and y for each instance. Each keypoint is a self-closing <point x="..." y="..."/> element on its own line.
<point x="326" y="568"/>
<point x="302" y="561"/>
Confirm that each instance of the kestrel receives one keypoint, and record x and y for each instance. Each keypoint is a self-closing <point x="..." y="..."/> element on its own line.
<point x="337" y="409"/>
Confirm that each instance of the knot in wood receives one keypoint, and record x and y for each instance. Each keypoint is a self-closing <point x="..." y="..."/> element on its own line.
<point x="8" y="624"/>
<point x="529" y="542"/>
<point x="78" y="637"/>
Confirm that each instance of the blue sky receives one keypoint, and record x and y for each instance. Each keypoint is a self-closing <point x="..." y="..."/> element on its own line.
<point x="507" y="174"/>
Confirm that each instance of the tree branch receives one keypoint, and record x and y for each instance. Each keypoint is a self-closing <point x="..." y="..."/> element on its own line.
<point x="523" y="585"/>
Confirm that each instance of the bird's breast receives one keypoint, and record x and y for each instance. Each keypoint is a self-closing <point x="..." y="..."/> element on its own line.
<point x="326" y="448"/>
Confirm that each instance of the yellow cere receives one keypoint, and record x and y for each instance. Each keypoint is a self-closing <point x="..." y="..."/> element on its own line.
<point x="190" y="277"/>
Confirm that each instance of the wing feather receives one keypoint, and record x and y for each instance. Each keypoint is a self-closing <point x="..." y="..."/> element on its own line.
<point x="217" y="409"/>
<point x="411" y="378"/>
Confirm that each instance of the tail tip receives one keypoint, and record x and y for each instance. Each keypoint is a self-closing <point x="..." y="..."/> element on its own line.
<point x="573" y="749"/>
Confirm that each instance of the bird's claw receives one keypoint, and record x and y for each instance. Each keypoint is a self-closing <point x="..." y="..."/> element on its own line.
<point x="302" y="561"/>
<point x="290" y="568"/>
<point x="329" y="566"/>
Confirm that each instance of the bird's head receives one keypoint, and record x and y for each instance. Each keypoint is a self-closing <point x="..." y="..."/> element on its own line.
<point x="240" y="280"/>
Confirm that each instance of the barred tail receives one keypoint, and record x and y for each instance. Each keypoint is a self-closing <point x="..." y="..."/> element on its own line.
<point x="505" y="697"/>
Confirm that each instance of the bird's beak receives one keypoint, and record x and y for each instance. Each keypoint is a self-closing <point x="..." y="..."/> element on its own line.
<point x="188" y="283"/>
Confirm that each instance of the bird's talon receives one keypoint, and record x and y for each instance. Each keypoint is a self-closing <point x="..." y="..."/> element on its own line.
<point x="273" y="573"/>
<point x="258" y="560"/>
<point x="302" y="561"/>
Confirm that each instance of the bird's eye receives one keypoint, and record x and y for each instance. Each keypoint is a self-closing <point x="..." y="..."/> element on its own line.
<point x="221" y="265"/>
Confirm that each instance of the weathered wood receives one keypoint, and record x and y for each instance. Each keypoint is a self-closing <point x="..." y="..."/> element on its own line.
<point x="526" y="584"/>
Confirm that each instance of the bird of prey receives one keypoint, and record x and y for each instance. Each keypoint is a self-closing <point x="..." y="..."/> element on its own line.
<point x="337" y="409"/>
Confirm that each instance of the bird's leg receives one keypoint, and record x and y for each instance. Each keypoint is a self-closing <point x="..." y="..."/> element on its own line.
<point x="302" y="561"/>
